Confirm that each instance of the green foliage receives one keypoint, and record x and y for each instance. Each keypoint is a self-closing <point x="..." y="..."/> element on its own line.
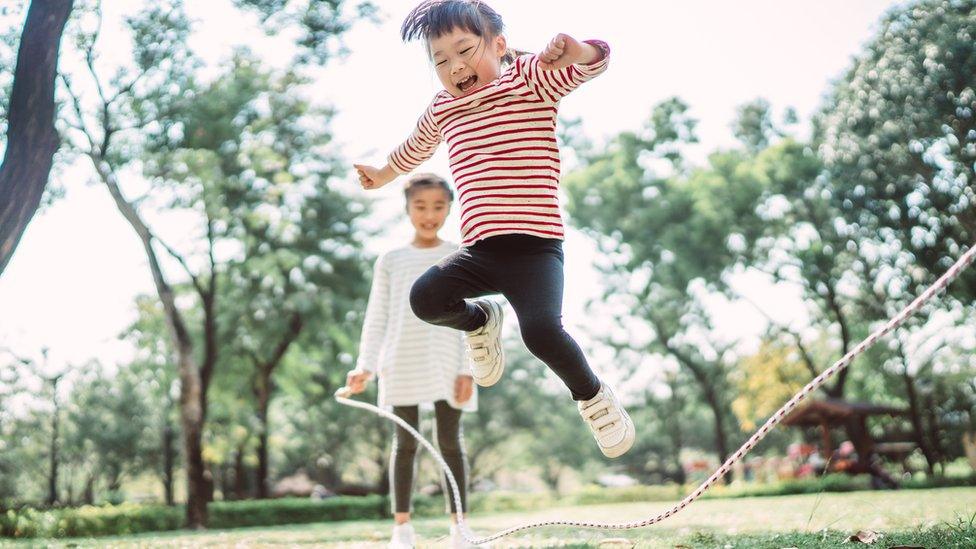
<point x="664" y="231"/>
<point x="11" y="23"/>
<point x="131" y="518"/>
<point x="110" y="415"/>
<point x="294" y="510"/>
<point x="128" y="518"/>
<point x="899" y="137"/>
<point x="755" y="128"/>
<point x="765" y="381"/>
<point x="322" y="22"/>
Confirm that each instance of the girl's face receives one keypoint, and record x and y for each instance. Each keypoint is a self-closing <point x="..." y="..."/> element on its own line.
<point x="466" y="61"/>
<point x="427" y="209"/>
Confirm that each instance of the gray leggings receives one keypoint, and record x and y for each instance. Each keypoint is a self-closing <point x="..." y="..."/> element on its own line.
<point x="450" y="442"/>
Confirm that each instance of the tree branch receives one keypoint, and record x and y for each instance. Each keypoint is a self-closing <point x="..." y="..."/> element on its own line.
<point x="182" y="261"/>
<point x="783" y="329"/>
<point x="76" y="106"/>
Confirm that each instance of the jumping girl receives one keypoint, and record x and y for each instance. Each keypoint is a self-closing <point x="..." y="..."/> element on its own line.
<point x="497" y="113"/>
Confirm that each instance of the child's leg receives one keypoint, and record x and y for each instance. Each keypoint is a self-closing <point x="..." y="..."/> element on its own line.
<point x="450" y="442"/>
<point x="438" y="296"/>
<point x="533" y="284"/>
<point x="402" y="462"/>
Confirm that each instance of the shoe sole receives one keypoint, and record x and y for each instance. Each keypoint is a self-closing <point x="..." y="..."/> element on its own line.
<point x="624" y="445"/>
<point x="496" y="374"/>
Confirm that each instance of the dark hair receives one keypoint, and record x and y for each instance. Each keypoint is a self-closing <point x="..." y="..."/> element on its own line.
<point x="426" y="181"/>
<point x="435" y="18"/>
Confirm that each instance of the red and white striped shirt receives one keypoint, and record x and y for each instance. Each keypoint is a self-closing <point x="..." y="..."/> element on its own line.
<point x="502" y="144"/>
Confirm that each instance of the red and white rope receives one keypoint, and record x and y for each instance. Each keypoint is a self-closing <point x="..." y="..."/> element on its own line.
<point x="342" y="397"/>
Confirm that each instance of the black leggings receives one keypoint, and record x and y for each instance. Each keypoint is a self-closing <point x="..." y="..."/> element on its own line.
<point x="528" y="271"/>
<point x="450" y="443"/>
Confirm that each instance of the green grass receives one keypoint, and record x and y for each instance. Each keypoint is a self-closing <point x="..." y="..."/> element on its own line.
<point x="929" y="518"/>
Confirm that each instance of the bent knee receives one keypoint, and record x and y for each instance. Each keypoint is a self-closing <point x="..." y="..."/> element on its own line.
<point x="424" y="301"/>
<point x="539" y="336"/>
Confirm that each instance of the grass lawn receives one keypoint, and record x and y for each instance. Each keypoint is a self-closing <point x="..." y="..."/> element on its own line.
<point x="928" y="518"/>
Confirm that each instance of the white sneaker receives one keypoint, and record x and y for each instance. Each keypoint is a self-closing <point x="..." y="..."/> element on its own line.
<point x="458" y="541"/>
<point x="611" y="425"/>
<point x="403" y="537"/>
<point x="486" y="356"/>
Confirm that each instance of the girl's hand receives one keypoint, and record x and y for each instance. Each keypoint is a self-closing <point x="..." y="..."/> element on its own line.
<point x="374" y="178"/>
<point x="463" y="388"/>
<point x="564" y="50"/>
<point x="356" y="380"/>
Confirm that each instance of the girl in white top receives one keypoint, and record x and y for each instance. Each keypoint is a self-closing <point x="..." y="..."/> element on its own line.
<point x="418" y="363"/>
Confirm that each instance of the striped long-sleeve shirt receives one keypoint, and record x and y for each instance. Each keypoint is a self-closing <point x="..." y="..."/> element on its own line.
<point x="502" y="145"/>
<point x="417" y="362"/>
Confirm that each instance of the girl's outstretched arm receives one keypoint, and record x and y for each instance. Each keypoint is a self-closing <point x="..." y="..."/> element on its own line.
<point x="564" y="50"/>
<point x="562" y="66"/>
<point x="413" y="152"/>
<point x="374" y="178"/>
<point x="420" y="146"/>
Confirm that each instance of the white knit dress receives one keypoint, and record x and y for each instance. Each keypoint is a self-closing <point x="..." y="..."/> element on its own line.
<point x="417" y="363"/>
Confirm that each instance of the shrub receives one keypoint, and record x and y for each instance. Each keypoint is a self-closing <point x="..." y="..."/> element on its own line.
<point x="133" y="518"/>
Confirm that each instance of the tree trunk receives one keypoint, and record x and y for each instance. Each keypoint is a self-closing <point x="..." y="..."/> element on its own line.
<point x="714" y="404"/>
<point x="52" y="479"/>
<point x="675" y="433"/>
<point x="916" y="419"/>
<point x="197" y="493"/>
<point x="934" y="430"/>
<point x="328" y="476"/>
<point x="710" y="392"/>
<point x="88" y="496"/>
<point x="69" y="483"/>
<point x="168" y="451"/>
<point x="191" y="385"/>
<point x="837" y="389"/>
<point x="262" y="480"/>
<point x="240" y="474"/>
<point x="550" y="475"/>
<point x="263" y="390"/>
<point x="31" y="137"/>
<point x="721" y="444"/>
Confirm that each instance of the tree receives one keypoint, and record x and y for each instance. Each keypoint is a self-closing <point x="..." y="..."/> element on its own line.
<point x="10" y="388"/>
<point x="754" y="126"/>
<point x="764" y="381"/>
<point x="31" y="137"/>
<point x="111" y="418"/>
<point x="339" y="447"/>
<point x="153" y="365"/>
<point x="322" y="23"/>
<point x="140" y="96"/>
<point x="202" y="150"/>
<point x="665" y="239"/>
<point x="898" y="136"/>
<point x="254" y="155"/>
<point x="801" y="239"/>
<point x="50" y="381"/>
<point x="41" y="420"/>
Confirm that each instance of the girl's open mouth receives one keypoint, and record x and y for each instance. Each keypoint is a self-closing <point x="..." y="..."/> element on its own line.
<point x="467" y="83"/>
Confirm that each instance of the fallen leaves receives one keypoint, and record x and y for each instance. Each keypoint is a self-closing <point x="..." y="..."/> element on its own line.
<point x="865" y="536"/>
